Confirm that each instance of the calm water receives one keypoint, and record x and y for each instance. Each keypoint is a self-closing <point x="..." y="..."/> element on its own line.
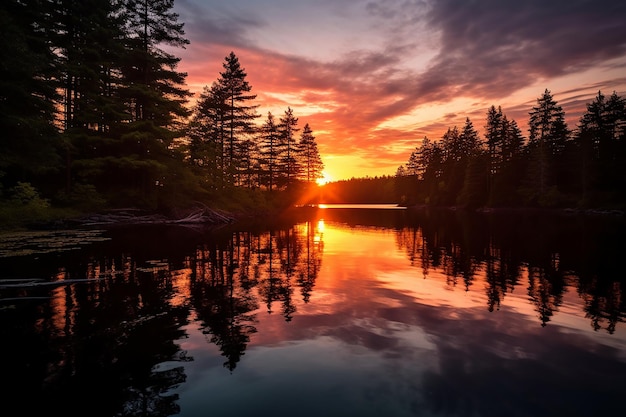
<point x="328" y="312"/>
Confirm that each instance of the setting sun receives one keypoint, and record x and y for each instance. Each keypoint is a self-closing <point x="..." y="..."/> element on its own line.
<point x="325" y="179"/>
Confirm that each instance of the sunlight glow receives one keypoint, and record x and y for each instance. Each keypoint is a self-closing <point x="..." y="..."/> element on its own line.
<point x="325" y="179"/>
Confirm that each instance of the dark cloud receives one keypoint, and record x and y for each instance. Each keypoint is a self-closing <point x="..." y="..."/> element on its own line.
<point x="217" y="25"/>
<point x="493" y="48"/>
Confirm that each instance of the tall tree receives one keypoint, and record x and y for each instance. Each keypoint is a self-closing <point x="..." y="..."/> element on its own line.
<point x="419" y="159"/>
<point x="601" y="141"/>
<point x="269" y="150"/>
<point x="89" y="37"/>
<point x="155" y="90"/>
<point x="288" y="129"/>
<point x="469" y="139"/>
<point x="493" y="137"/>
<point x="548" y="135"/>
<point x="155" y="93"/>
<point x="239" y="113"/>
<point x="27" y="93"/>
<point x="207" y="131"/>
<point x="312" y="165"/>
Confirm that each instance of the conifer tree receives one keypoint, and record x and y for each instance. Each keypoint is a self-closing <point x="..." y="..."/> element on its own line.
<point x="312" y="165"/>
<point x="155" y="90"/>
<point x="89" y="37"/>
<point x="469" y="139"/>
<point x="155" y="94"/>
<point x="493" y="137"/>
<point x="207" y="131"/>
<point x="601" y="142"/>
<point x="239" y="114"/>
<point x="287" y="127"/>
<point x="269" y="151"/>
<point x="27" y="94"/>
<point x="548" y="134"/>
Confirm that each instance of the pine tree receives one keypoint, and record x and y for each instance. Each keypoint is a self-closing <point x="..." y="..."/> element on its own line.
<point x="89" y="36"/>
<point x="154" y="89"/>
<point x="419" y="159"/>
<point x="548" y="135"/>
<point x="155" y="95"/>
<point x="27" y="94"/>
<point x="269" y="151"/>
<point x="469" y="139"/>
<point x="207" y="131"/>
<point x="601" y="143"/>
<point x="239" y="115"/>
<point x="287" y="127"/>
<point x="312" y="165"/>
<point x="512" y="165"/>
<point x="493" y="137"/>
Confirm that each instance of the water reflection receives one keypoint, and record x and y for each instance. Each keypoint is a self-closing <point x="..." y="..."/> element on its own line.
<point x="230" y="279"/>
<point x="544" y="254"/>
<point x="452" y="310"/>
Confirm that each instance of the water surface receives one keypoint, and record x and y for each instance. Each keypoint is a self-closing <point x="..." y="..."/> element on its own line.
<point x="363" y="312"/>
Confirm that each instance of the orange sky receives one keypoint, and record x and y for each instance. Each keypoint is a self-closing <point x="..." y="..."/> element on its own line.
<point x="372" y="78"/>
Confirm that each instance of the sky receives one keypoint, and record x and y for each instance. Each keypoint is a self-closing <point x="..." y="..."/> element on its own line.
<point x="373" y="78"/>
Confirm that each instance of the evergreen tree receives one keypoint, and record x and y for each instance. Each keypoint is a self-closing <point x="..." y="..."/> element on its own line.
<point x="239" y="114"/>
<point x="493" y="137"/>
<point x="453" y="166"/>
<point x="548" y="135"/>
<point x="248" y="160"/>
<point x="207" y="130"/>
<point x="287" y="128"/>
<point x="155" y="90"/>
<point x="269" y="151"/>
<point x="90" y="41"/>
<point x="601" y="143"/>
<point x="469" y="141"/>
<point x="155" y="95"/>
<point x="419" y="159"/>
<point x="312" y="165"/>
<point x="475" y="189"/>
<point x="27" y="94"/>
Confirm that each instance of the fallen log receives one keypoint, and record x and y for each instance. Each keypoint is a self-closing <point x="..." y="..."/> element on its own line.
<point x="33" y="284"/>
<point x="128" y="217"/>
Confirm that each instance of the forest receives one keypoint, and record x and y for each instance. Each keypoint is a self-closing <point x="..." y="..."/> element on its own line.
<point x="95" y="115"/>
<point x="554" y="167"/>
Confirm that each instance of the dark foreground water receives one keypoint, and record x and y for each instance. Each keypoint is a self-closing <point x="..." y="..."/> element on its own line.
<point x="335" y="312"/>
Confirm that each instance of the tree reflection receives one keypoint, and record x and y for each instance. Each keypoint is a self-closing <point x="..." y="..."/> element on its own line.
<point x="230" y="279"/>
<point x="223" y="306"/>
<point x="105" y="338"/>
<point x="605" y="306"/>
<point x="120" y="328"/>
<point x="504" y="251"/>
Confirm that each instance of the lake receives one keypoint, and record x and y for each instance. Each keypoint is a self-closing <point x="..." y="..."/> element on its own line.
<point x="336" y="311"/>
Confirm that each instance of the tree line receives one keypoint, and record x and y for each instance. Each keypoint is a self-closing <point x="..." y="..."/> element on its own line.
<point x="95" y="113"/>
<point x="554" y="167"/>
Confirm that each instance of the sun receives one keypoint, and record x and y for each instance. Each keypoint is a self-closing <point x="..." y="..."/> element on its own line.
<point x="325" y="179"/>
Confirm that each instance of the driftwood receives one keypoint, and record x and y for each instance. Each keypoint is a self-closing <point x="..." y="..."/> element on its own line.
<point x="201" y="216"/>
<point x="33" y="283"/>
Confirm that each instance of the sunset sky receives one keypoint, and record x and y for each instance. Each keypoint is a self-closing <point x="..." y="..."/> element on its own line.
<point x="372" y="78"/>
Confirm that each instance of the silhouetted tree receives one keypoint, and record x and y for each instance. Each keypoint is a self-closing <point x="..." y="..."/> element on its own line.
<point x="239" y="113"/>
<point x="310" y="159"/>
<point x="270" y="151"/>
<point x="289" y="161"/>
<point x="547" y="141"/>
<point x="601" y="141"/>
<point x="27" y="94"/>
<point x="206" y="135"/>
